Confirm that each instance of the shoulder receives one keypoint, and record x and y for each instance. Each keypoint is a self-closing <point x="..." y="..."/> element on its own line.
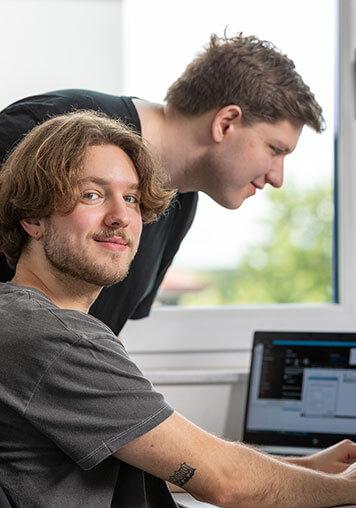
<point x="29" y="309"/>
<point x="178" y="217"/>
<point x="63" y="101"/>
<point x="21" y="116"/>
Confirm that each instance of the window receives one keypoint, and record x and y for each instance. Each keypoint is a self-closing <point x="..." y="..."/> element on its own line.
<point x="251" y="255"/>
<point x="222" y="335"/>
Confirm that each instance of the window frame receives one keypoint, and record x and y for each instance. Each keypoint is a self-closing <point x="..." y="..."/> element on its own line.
<point x="227" y="331"/>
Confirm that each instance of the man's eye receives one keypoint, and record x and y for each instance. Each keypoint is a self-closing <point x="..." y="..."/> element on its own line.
<point x="276" y="150"/>
<point x="131" y="199"/>
<point x="90" y="196"/>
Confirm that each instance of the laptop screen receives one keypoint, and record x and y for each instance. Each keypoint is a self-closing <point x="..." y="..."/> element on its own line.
<point x="302" y="389"/>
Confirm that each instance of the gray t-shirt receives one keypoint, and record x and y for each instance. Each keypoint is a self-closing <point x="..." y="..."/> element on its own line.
<point x="70" y="397"/>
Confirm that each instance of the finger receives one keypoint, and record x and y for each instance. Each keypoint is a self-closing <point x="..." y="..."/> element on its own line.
<point x="350" y="448"/>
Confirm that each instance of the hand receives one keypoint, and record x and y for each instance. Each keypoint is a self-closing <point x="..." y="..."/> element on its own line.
<point x="350" y="472"/>
<point x="335" y="459"/>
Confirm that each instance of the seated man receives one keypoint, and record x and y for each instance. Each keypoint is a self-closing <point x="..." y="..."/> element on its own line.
<point x="79" y="423"/>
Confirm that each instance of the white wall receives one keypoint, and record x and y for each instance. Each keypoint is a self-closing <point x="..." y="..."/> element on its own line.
<point x="52" y="44"/>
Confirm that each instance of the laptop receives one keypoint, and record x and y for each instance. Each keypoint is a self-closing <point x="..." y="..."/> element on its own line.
<point x="301" y="391"/>
<point x="301" y="394"/>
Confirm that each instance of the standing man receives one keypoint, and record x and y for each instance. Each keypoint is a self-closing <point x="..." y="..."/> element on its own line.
<point x="79" y="424"/>
<point x="226" y="126"/>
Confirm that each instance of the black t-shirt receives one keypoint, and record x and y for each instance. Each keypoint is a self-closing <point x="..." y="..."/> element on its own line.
<point x="133" y="297"/>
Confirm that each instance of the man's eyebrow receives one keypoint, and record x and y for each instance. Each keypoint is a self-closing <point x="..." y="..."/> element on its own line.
<point x="102" y="181"/>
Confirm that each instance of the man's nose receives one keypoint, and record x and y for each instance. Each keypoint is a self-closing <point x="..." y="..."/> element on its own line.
<point x="117" y="214"/>
<point x="275" y="175"/>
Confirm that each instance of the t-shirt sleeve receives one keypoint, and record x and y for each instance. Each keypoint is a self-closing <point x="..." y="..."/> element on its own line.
<point x="93" y="399"/>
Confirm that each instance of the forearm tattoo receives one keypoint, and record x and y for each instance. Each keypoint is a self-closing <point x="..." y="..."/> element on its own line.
<point x="182" y="475"/>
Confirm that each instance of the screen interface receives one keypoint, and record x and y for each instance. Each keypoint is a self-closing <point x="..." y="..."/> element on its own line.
<point x="303" y="386"/>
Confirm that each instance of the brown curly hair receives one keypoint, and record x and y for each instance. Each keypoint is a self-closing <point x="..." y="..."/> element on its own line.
<point x="41" y="174"/>
<point x="250" y="73"/>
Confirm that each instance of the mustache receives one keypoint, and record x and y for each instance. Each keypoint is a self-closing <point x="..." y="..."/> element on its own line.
<point x="113" y="233"/>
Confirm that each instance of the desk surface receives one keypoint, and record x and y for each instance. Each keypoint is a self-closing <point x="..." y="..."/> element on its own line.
<point x="187" y="501"/>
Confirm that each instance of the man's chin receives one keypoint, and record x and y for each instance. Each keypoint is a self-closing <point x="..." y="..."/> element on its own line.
<point x="236" y="203"/>
<point x="108" y="283"/>
<point x="92" y="277"/>
<point x="100" y="272"/>
<point x="102" y="280"/>
<point x="231" y="204"/>
<point x="230" y="201"/>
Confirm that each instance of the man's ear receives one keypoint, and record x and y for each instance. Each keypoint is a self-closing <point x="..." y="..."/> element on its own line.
<point x="33" y="227"/>
<point x="224" y="119"/>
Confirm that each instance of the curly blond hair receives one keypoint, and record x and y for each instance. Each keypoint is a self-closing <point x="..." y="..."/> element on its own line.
<point x="41" y="174"/>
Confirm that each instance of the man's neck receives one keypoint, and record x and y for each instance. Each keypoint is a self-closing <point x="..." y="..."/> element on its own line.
<point x="176" y="139"/>
<point x="64" y="291"/>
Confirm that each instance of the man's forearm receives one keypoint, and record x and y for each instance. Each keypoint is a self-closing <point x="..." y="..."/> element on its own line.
<point x="269" y="482"/>
<point x="233" y="475"/>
